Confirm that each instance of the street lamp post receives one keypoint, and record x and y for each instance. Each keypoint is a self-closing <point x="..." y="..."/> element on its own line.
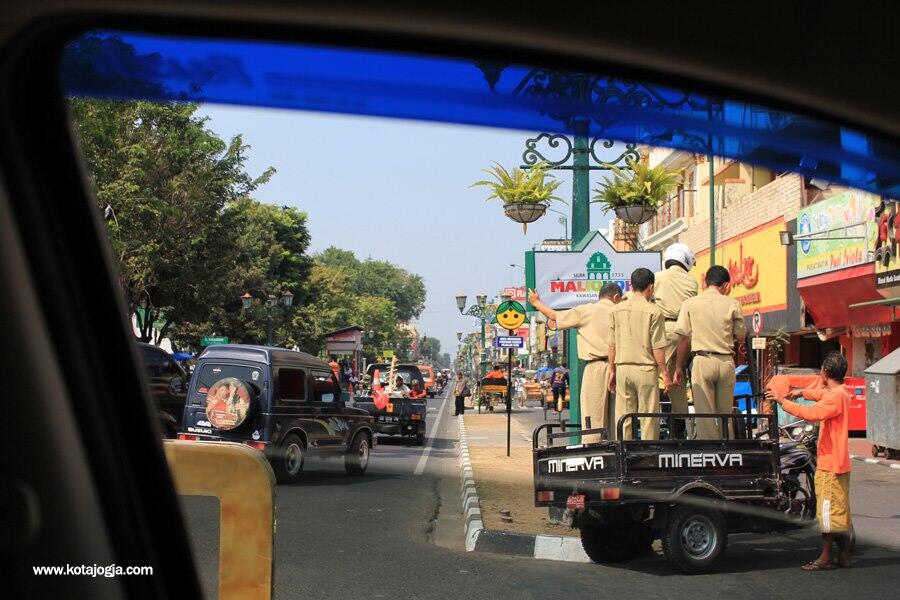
<point x="481" y="312"/>
<point x="271" y="303"/>
<point x="589" y="95"/>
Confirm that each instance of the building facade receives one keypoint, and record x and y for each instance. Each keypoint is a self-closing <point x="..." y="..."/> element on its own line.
<point x="815" y="291"/>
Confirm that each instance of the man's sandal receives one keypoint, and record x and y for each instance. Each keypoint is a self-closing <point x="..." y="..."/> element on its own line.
<point x="815" y="566"/>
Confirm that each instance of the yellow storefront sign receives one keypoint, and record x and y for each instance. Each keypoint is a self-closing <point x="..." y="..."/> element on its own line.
<point x="757" y="263"/>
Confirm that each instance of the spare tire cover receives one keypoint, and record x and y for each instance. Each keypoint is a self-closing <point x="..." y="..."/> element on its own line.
<point x="228" y="403"/>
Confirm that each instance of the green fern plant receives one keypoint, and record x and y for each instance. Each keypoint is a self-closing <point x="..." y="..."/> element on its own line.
<point x="639" y="184"/>
<point x="521" y="186"/>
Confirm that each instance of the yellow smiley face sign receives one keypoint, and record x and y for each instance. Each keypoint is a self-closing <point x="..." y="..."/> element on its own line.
<point x="510" y="315"/>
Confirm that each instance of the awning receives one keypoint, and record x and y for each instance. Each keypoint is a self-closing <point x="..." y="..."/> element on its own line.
<point x="828" y="298"/>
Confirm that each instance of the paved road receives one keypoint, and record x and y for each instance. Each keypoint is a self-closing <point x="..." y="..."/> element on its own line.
<point x="395" y="534"/>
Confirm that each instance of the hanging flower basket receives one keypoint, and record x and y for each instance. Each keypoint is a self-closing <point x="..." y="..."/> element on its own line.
<point x="634" y="192"/>
<point x="525" y="193"/>
<point x="635" y="214"/>
<point x="525" y="213"/>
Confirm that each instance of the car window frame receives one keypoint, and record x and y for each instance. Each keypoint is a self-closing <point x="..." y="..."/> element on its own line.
<point x="313" y="372"/>
<point x="277" y="400"/>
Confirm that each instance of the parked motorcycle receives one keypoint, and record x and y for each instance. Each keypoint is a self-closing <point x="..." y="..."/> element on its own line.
<point x="798" y="469"/>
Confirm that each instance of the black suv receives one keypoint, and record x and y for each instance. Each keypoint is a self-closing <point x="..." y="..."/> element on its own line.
<point x="286" y="403"/>
<point x="168" y="386"/>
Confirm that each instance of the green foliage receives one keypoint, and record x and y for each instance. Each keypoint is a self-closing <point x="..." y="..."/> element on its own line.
<point x="168" y="181"/>
<point x="379" y="278"/>
<point x="638" y="184"/>
<point x="266" y="255"/>
<point x="521" y="186"/>
<point x="373" y="294"/>
<point x="189" y="240"/>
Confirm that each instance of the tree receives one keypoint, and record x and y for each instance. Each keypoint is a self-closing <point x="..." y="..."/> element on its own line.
<point x="268" y="256"/>
<point x="165" y="181"/>
<point x="429" y="347"/>
<point x="372" y="277"/>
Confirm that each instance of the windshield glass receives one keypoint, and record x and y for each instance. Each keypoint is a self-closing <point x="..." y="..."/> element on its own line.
<point x="675" y="270"/>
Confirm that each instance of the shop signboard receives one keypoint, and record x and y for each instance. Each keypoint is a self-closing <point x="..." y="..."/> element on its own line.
<point x="884" y="248"/>
<point x="850" y="214"/>
<point x="555" y="245"/>
<point x="571" y="278"/>
<point x="757" y="263"/>
<point x="516" y="294"/>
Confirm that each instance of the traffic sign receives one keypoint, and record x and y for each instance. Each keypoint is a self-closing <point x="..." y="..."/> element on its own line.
<point x="213" y="340"/>
<point x="757" y="322"/>
<point x="758" y="343"/>
<point x="509" y="341"/>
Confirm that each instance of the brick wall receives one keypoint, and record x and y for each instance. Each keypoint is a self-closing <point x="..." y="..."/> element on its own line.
<point x="782" y="196"/>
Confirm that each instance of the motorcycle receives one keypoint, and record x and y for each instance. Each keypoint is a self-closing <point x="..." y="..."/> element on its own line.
<point x="798" y="469"/>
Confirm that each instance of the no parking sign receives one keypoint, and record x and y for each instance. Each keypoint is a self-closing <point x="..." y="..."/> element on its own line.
<point x="757" y="322"/>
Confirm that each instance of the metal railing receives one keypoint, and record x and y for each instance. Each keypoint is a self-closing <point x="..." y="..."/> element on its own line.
<point x="680" y="205"/>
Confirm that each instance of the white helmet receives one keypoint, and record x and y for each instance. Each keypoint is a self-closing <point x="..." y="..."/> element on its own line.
<point x="681" y="253"/>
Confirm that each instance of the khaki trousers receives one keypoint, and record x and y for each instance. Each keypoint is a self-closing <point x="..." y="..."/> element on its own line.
<point x="637" y="390"/>
<point x="596" y="403"/>
<point x="712" y="385"/>
<point x="677" y="393"/>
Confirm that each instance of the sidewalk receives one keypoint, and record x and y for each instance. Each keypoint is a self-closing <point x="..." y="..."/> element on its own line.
<point x="861" y="449"/>
<point x="506" y="482"/>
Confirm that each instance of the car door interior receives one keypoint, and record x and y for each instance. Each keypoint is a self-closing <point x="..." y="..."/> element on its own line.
<point x="86" y="480"/>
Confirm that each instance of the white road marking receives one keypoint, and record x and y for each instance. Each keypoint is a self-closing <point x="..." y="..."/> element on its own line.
<point x="420" y="468"/>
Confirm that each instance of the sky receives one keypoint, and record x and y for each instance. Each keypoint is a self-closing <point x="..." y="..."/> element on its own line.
<point x="400" y="191"/>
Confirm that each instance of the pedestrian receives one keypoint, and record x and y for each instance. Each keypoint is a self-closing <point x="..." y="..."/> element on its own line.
<point x="591" y="321"/>
<point x="335" y="368"/>
<point x="460" y="393"/>
<point x="832" y="481"/>
<point x="708" y="326"/>
<point x="559" y="382"/>
<point x="637" y="356"/>
<point x="673" y="286"/>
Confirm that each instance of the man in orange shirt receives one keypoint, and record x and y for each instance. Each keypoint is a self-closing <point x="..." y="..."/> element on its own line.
<point x="833" y="459"/>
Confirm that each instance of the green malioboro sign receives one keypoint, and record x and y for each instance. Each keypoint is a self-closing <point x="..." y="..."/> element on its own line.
<point x="852" y="210"/>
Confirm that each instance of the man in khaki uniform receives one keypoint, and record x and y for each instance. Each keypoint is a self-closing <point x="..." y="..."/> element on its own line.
<point x="637" y="353"/>
<point x="709" y="325"/>
<point x="592" y="324"/>
<point x="673" y="286"/>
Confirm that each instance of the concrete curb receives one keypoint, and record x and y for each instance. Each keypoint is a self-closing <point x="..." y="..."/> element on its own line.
<point x="479" y="539"/>
<point x="473" y="523"/>
<point x="876" y="461"/>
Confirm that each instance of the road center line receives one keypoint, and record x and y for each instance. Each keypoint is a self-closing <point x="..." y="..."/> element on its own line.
<point x="420" y="468"/>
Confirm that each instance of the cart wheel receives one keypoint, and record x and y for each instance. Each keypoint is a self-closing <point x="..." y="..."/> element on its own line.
<point x="875" y="450"/>
<point x="695" y="538"/>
